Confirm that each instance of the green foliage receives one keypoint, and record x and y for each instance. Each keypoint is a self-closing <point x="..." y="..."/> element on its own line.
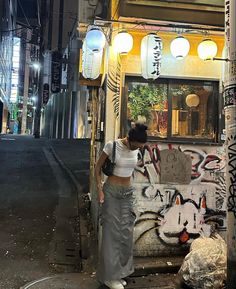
<point x="143" y="98"/>
<point x="14" y="111"/>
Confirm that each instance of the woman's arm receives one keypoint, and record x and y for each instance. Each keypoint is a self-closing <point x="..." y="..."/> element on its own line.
<point x="98" y="176"/>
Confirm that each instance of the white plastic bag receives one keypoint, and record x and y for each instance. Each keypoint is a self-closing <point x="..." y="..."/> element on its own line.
<point x="205" y="266"/>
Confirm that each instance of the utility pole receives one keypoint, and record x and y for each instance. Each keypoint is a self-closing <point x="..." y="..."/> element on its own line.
<point x="230" y="125"/>
<point x="26" y="82"/>
<point x="60" y="26"/>
<point x="40" y="79"/>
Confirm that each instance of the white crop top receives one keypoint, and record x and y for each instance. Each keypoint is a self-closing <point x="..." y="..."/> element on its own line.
<point x="126" y="159"/>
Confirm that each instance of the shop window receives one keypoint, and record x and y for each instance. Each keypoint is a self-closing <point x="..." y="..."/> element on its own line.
<point x="174" y="109"/>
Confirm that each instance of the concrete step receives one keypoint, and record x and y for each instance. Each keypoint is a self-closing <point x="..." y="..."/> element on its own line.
<point x="152" y="265"/>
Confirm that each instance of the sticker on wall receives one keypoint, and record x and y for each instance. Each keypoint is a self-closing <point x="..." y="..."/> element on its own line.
<point x="175" y="167"/>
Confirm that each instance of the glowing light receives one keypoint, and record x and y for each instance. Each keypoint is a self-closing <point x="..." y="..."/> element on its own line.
<point x="207" y="49"/>
<point x="192" y="100"/>
<point x="95" y="39"/>
<point x="91" y="62"/>
<point x="179" y="47"/>
<point x="151" y="48"/>
<point x="123" y="42"/>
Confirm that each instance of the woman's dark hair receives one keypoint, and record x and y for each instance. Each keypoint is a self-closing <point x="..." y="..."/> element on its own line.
<point x="138" y="133"/>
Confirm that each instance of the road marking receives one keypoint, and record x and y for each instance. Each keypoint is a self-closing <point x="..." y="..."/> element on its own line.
<point x="38" y="281"/>
<point x="8" y="139"/>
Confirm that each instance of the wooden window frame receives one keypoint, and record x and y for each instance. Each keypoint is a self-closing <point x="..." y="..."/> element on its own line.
<point x="172" y="139"/>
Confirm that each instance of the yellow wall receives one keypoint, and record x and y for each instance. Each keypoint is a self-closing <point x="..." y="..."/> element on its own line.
<point x="189" y="67"/>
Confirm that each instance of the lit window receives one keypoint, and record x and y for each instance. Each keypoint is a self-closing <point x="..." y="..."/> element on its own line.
<point x="193" y="110"/>
<point x="148" y="103"/>
<point x="174" y="109"/>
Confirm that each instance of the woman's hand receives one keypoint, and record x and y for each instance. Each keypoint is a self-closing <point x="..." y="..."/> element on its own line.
<point x="100" y="197"/>
<point x="98" y="169"/>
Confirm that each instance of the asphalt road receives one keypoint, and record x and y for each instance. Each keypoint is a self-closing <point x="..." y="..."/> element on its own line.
<point x="28" y="200"/>
<point x="38" y="214"/>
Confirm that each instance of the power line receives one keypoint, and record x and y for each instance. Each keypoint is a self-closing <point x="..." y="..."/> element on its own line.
<point x="38" y="14"/>
<point x="24" y="13"/>
<point x="12" y="30"/>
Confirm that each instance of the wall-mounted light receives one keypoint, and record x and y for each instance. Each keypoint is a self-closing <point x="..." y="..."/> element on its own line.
<point x="179" y="47"/>
<point x="192" y="100"/>
<point x="207" y="49"/>
<point x="95" y="39"/>
<point x="123" y="42"/>
<point x="151" y="49"/>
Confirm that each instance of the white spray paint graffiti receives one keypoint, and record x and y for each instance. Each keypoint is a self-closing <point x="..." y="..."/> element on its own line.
<point x="175" y="214"/>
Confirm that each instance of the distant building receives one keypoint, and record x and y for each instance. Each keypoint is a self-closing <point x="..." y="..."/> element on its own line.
<point x="7" y="28"/>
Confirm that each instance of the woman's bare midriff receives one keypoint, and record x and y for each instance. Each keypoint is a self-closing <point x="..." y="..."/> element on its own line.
<point x="122" y="181"/>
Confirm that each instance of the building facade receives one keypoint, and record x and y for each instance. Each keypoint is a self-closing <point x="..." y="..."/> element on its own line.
<point x="61" y="98"/>
<point x="180" y="180"/>
<point x="67" y="114"/>
<point x="7" y="26"/>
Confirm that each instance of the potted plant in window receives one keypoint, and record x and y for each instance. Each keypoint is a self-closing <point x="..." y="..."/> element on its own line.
<point x="148" y="102"/>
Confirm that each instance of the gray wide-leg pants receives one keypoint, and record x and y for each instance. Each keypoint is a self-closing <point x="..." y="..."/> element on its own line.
<point x="117" y="219"/>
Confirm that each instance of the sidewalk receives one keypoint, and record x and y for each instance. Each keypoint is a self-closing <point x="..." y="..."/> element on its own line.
<point x="86" y="281"/>
<point x="74" y="156"/>
<point x="159" y="272"/>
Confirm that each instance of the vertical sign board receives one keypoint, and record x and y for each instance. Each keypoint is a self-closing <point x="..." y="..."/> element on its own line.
<point x="56" y="72"/>
<point x="45" y="93"/>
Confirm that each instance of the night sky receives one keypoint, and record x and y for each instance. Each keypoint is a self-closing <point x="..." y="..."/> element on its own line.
<point x="26" y="8"/>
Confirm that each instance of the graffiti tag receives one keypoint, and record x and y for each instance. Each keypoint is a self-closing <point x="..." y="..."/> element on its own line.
<point x="232" y="173"/>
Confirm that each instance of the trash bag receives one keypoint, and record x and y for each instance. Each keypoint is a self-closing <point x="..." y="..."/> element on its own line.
<point x="205" y="265"/>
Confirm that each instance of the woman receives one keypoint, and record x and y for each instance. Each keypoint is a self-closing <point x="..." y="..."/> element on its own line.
<point x="116" y="197"/>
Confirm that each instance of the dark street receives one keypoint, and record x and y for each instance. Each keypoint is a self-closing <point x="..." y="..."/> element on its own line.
<point x="40" y="219"/>
<point x="33" y="220"/>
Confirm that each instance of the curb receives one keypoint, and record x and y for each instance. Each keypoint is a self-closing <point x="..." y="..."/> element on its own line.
<point x="157" y="265"/>
<point x="81" y="204"/>
<point x="162" y="269"/>
<point x="27" y="286"/>
<point x="68" y="171"/>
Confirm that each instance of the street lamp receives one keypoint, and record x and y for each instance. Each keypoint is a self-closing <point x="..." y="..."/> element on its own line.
<point x="34" y="98"/>
<point x="36" y="65"/>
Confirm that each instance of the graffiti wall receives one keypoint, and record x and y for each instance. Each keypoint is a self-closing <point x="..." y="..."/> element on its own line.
<point x="180" y="195"/>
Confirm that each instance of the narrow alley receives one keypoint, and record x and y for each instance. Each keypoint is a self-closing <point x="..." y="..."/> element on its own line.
<point x="39" y="213"/>
<point x="117" y="144"/>
<point x="42" y="225"/>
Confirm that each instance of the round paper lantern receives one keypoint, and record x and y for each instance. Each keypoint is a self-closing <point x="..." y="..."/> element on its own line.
<point x="192" y="100"/>
<point x="179" y="47"/>
<point x="207" y="49"/>
<point x="95" y="39"/>
<point x="91" y="62"/>
<point x="123" y="42"/>
<point x="151" y="48"/>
